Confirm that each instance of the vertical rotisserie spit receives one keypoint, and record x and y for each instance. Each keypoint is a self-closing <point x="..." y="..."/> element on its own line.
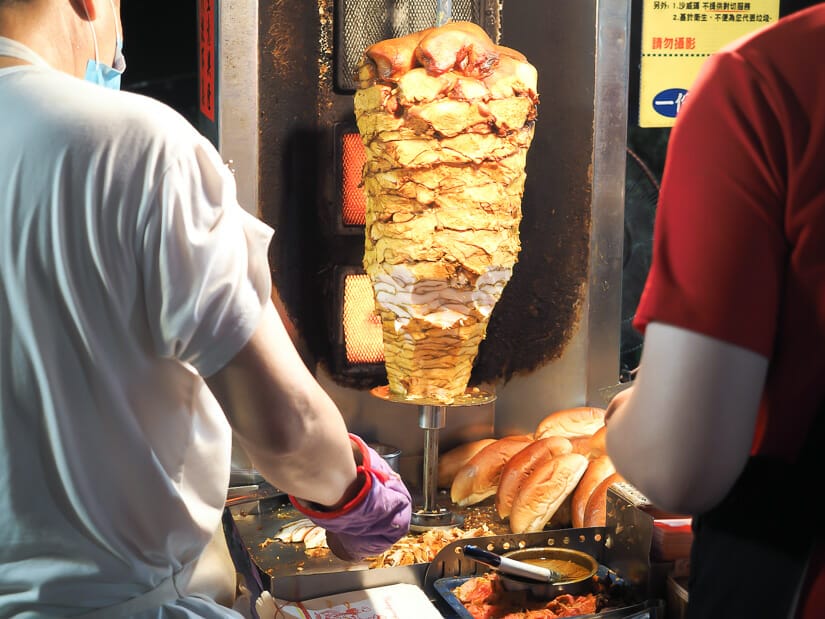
<point x="446" y="117"/>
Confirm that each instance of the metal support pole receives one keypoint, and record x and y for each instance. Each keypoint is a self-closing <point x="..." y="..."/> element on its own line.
<point x="443" y="12"/>
<point x="431" y="419"/>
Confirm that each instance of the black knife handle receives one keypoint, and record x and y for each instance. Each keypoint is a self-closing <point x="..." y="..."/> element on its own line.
<point x="482" y="556"/>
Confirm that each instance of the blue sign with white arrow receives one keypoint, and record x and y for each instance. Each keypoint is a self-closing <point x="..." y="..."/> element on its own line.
<point x="669" y="102"/>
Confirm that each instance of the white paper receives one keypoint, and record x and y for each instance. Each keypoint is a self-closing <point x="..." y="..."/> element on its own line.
<point x="401" y="601"/>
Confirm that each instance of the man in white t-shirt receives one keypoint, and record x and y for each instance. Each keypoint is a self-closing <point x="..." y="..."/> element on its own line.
<point x="137" y="335"/>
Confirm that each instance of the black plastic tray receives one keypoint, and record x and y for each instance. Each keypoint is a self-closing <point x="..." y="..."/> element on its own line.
<point x="649" y="609"/>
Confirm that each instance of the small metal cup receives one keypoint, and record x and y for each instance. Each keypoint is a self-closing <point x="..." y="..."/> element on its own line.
<point x="389" y="453"/>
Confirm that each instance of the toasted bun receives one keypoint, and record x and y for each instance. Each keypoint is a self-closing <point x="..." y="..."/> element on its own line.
<point x="451" y="461"/>
<point x="522" y="464"/>
<point x="581" y="445"/>
<point x="571" y="422"/>
<point x="561" y="519"/>
<point x="544" y="491"/>
<point x="598" y="446"/>
<point x="591" y="446"/>
<point x="597" y="471"/>
<point x="479" y="477"/>
<point x="595" y="514"/>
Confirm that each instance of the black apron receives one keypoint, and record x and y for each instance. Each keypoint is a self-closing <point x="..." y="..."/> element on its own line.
<point x="750" y="552"/>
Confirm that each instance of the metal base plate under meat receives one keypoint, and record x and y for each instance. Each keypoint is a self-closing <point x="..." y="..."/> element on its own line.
<point x="432" y="417"/>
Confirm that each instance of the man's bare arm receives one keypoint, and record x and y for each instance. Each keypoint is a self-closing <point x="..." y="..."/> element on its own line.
<point x="282" y="418"/>
<point x="683" y="433"/>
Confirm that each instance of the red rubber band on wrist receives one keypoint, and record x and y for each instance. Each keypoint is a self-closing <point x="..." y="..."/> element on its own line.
<point x="365" y="468"/>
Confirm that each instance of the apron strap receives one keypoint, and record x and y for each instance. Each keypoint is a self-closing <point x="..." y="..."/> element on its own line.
<point x="166" y="591"/>
<point x="244" y="564"/>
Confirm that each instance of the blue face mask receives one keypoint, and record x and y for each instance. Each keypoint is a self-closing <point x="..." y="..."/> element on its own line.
<point x="103" y="74"/>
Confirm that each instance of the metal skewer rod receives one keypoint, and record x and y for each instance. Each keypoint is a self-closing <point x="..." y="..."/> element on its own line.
<point x="431" y="419"/>
<point x="443" y="12"/>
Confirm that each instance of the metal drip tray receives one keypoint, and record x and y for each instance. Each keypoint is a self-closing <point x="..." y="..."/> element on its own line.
<point x="259" y="522"/>
<point x="298" y="574"/>
<point x="292" y="572"/>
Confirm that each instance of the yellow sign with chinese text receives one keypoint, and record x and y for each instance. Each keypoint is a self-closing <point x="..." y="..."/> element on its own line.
<point x="677" y="37"/>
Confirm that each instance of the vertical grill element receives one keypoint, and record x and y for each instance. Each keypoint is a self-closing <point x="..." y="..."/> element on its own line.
<point x="353" y="201"/>
<point x="364" y="22"/>
<point x="363" y="341"/>
<point x="359" y="346"/>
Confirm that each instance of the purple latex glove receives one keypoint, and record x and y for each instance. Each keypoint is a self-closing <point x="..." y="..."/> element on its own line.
<point x="375" y="519"/>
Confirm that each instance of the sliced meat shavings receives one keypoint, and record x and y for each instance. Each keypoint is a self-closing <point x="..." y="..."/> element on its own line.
<point x="302" y="530"/>
<point x="422" y="548"/>
<point x="484" y="597"/>
<point x="316" y="537"/>
<point x="294" y="531"/>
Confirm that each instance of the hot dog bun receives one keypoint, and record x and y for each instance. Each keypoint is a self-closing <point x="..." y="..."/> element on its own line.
<point x="561" y="519"/>
<point x="597" y="471"/>
<point x="543" y="492"/>
<point x="522" y="464"/>
<point x="571" y="422"/>
<point x="479" y="477"/>
<point x="595" y="514"/>
<point x="598" y="446"/>
<point x="590" y="446"/>
<point x="451" y="461"/>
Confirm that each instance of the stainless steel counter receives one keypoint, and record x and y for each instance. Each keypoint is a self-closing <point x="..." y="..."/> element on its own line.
<point x="297" y="574"/>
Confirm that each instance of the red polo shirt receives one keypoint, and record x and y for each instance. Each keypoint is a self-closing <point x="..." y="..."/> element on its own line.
<point x="739" y="250"/>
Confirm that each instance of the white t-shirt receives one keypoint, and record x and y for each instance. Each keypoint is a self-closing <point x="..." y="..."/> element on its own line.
<point x="127" y="271"/>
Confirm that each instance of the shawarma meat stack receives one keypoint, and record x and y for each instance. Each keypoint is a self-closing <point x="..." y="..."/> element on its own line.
<point x="446" y="117"/>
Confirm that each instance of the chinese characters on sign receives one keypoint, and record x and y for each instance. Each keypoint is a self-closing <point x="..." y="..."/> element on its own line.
<point x="677" y="37"/>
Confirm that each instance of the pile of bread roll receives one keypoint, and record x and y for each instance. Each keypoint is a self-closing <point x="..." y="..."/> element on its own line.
<point x="558" y="475"/>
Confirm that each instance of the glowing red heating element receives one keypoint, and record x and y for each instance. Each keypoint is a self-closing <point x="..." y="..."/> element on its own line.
<point x="353" y="202"/>
<point x="363" y="338"/>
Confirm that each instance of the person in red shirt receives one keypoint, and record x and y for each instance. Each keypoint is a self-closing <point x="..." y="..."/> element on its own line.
<point x="726" y="417"/>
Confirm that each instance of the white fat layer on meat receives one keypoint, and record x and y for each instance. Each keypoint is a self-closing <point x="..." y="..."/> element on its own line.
<point x="439" y="302"/>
